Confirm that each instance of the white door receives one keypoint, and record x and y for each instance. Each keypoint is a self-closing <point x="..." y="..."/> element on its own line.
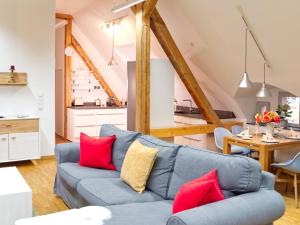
<point x="23" y="146"/>
<point x="4" y="148"/>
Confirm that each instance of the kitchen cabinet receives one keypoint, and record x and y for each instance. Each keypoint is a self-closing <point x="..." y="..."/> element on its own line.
<point x="89" y="121"/>
<point x="19" y="139"/>
<point x="23" y="146"/>
<point x="3" y="147"/>
<point x="197" y="140"/>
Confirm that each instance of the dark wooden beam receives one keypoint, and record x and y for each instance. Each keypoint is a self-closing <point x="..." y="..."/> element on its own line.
<point x="168" y="44"/>
<point x="149" y="6"/>
<point x="84" y="56"/>
<point x="64" y="16"/>
<point x="190" y="129"/>
<point x="142" y="116"/>
<point x="67" y="75"/>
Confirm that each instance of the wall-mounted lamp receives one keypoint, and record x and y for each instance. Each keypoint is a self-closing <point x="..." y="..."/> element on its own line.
<point x="69" y="51"/>
<point x="125" y="5"/>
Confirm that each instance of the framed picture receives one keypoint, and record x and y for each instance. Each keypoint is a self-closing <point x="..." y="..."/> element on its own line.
<point x="262" y="107"/>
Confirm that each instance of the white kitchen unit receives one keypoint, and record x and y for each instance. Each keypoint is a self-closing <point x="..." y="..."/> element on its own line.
<point x="198" y="140"/>
<point x="89" y="121"/>
<point x="19" y="139"/>
<point x="15" y="196"/>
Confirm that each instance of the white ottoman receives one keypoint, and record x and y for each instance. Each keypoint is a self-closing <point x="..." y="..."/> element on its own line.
<point x="90" y="215"/>
<point x="15" y="196"/>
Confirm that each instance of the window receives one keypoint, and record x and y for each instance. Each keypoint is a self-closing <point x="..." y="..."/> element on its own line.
<point x="294" y="103"/>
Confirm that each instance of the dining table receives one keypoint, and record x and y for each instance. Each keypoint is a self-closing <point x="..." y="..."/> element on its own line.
<point x="265" y="150"/>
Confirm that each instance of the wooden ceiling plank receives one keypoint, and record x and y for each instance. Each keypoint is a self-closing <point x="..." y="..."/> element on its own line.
<point x="84" y="56"/>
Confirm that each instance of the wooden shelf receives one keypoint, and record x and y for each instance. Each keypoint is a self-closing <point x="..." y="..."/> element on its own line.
<point x="19" y="78"/>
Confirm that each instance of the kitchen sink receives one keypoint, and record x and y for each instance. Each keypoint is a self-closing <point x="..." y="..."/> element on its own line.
<point x="187" y="112"/>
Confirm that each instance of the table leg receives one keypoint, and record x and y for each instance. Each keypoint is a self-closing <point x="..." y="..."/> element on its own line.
<point x="226" y="147"/>
<point x="264" y="158"/>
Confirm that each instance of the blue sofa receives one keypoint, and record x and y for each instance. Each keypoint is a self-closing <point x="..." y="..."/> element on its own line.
<point x="250" y="198"/>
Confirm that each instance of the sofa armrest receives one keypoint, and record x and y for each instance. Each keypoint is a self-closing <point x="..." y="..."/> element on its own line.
<point x="267" y="180"/>
<point x="69" y="152"/>
<point x="256" y="208"/>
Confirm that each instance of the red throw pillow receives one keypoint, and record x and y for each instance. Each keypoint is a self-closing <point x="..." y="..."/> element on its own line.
<point x="96" y="152"/>
<point x="198" y="192"/>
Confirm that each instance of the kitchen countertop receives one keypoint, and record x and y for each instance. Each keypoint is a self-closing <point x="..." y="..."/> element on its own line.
<point x="18" y="118"/>
<point x="97" y="107"/>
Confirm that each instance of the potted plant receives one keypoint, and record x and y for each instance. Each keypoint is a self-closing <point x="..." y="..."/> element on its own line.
<point x="268" y="119"/>
<point x="284" y="112"/>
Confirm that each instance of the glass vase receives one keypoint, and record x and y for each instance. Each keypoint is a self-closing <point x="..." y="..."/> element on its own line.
<point x="270" y="129"/>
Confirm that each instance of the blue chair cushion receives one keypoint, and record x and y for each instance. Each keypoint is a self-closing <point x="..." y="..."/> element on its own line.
<point x="72" y="173"/>
<point x="240" y="150"/>
<point x="160" y="176"/>
<point x="122" y="143"/>
<point x="114" y="191"/>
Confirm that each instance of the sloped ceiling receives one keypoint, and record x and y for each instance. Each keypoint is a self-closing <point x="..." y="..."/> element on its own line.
<point x="218" y="23"/>
<point x="71" y="6"/>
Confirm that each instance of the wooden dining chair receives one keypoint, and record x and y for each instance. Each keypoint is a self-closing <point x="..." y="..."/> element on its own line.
<point x="291" y="168"/>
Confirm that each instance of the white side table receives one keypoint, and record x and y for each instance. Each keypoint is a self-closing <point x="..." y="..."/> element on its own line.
<point x="90" y="215"/>
<point x="15" y="196"/>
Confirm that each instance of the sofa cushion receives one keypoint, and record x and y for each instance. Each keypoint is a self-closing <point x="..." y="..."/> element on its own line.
<point x="122" y="143"/>
<point x="160" y="176"/>
<point x="236" y="174"/>
<point x="198" y="192"/>
<point x="112" y="191"/>
<point x="137" y="165"/>
<point x="96" y="152"/>
<point x="72" y="173"/>
<point x="149" y="213"/>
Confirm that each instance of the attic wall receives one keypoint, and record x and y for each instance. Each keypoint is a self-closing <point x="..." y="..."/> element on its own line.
<point x="90" y="30"/>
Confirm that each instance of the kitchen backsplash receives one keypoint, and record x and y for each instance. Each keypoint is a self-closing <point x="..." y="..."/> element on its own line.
<point x="85" y="86"/>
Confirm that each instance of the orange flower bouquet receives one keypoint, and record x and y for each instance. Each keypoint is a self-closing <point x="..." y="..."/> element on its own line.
<point x="267" y="117"/>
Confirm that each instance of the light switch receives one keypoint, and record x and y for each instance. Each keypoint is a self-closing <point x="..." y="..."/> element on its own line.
<point x="40" y="102"/>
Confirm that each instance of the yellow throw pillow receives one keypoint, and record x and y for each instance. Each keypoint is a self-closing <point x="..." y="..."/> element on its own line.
<point x="137" y="165"/>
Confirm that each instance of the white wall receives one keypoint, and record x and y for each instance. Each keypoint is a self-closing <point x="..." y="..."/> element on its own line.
<point x="27" y="41"/>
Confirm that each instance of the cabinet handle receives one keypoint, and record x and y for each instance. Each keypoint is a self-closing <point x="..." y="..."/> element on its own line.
<point x="3" y="139"/>
<point x="13" y="138"/>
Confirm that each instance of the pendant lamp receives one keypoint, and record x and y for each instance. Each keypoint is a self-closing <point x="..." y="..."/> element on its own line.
<point x="112" y="62"/>
<point x="245" y="82"/>
<point x="264" y="92"/>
